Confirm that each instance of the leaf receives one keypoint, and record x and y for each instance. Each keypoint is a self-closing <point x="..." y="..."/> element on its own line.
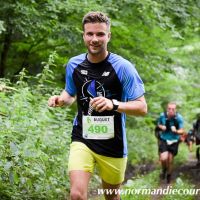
<point x="14" y="149"/>
<point x="8" y="165"/>
<point x="11" y="177"/>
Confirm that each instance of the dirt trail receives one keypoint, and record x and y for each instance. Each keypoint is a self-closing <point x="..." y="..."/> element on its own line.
<point x="131" y="171"/>
<point x="189" y="170"/>
<point x="142" y="169"/>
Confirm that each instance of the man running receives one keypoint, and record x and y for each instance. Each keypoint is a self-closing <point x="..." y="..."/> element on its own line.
<point x="171" y="125"/>
<point x="196" y="127"/>
<point x="107" y="87"/>
<point x="190" y="139"/>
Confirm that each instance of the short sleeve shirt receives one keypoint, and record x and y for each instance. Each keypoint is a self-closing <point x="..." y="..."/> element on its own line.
<point x="113" y="78"/>
<point x="168" y="134"/>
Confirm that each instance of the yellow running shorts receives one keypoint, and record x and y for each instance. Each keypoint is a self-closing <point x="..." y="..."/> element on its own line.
<point x="111" y="170"/>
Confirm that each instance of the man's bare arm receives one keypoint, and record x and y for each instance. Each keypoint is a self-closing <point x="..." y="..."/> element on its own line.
<point x="137" y="107"/>
<point x="63" y="99"/>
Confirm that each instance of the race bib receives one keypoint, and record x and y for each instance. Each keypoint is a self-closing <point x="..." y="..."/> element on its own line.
<point x="170" y="142"/>
<point x="98" y="127"/>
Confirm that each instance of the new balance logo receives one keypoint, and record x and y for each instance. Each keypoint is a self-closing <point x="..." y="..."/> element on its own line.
<point x="84" y="72"/>
<point x="105" y="74"/>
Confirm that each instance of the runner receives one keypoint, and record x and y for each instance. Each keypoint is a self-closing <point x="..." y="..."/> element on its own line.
<point x="171" y="124"/>
<point x="190" y="139"/>
<point x="197" y="138"/>
<point x="107" y="87"/>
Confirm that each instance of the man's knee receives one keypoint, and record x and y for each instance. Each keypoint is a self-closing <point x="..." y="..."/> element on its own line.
<point x="163" y="159"/>
<point x="79" y="184"/>
<point x="198" y="153"/>
<point x="164" y="156"/>
<point x="112" y="197"/>
<point x="77" y="195"/>
<point x="113" y="191"/>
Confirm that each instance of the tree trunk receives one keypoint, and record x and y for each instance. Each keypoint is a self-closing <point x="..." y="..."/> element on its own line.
<point x="4" y="53"/>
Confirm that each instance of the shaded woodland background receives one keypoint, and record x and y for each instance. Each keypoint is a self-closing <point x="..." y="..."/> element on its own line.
<point x="162" y="38"/>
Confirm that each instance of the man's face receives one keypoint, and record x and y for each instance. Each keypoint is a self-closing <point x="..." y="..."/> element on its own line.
<point x="96" y="37"/>
<point x="171" y="110"/>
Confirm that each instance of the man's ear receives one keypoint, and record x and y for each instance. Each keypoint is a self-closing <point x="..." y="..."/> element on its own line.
<point x="109" y="36"/>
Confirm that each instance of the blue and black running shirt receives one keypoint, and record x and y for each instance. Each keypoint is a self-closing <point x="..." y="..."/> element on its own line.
<point x="113" y="78"/>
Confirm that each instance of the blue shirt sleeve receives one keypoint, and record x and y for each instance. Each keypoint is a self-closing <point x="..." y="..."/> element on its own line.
<point x="180" y="121"/>
<point x="70" y="86"/>
<point x="132" y="83"/>
<point x="161" y="120"/>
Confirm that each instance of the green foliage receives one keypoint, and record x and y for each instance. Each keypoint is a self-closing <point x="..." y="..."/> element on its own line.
<point x="38" y="27"/>
<point x="1" y="27"/>
<point x="182" y="155"/>
<point x="34" y="141"/>
<point x="147" y="182"/>
<point x="142" y="144"/>
<point x="147" y="185"/>
<point x="182" y="184"/>
<point x="34" y="28"/>
<point x="150" y="182"/>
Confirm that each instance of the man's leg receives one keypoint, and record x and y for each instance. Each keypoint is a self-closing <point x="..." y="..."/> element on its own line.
<point x="170" y="167"/>
<point x="190" y="146"/>
<point x="198" y="155"/>
<point x="170" y="162"/>
<point x="164" y="163"/>
<point x="173" y="150"/>
<point x="80" y="168"/>
<point x="113" y="191"/>
<point x="163" y="149"/>
<point x="112" y="172"/>
<point x="79" y="181"/>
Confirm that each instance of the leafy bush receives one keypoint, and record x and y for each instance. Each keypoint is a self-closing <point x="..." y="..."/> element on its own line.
<point x="182" y="156"/>
<point x="34" y="140"/>
<point x="142" y="144"/>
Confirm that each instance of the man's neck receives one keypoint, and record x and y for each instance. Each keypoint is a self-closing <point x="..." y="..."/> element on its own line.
<point x="96" y="58"/>
<point x="171" y="116"/>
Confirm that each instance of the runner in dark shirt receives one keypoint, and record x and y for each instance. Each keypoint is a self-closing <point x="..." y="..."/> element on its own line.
<point x="107" y="87"/>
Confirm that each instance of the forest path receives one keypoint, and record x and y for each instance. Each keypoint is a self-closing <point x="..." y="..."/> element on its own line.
<point x="189" y="170"/>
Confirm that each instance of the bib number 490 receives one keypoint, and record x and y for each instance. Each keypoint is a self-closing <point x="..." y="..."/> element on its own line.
<point x="98" y="129"/>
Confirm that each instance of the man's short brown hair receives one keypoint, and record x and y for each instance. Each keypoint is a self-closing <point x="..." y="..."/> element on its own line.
<point x="96" y="17"/>
<point x="172" y="103"/>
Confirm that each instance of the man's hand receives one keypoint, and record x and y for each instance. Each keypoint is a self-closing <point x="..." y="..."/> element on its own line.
<point x="163" y="127"/>
<point x="63" y="99"/>
<point x="55" y="101"/>
<point x="173" y="129"/>
<point x="101" y="104"/>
